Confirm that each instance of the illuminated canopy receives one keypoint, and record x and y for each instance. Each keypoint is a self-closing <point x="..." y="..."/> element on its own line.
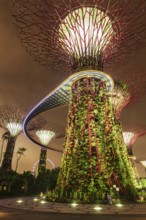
<point x="45" y="136"/>
<point x="120" y="97"/>
<point x="127" y="137"/>
<point x="66" y="33"/>
<point x="85" y="32"/>
<point x="14" y="128"/>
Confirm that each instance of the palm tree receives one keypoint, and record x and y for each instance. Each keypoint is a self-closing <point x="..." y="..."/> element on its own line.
<point x="7" y="179"/>
<point x="5" y="136"/>
<point x="19" y="154"/>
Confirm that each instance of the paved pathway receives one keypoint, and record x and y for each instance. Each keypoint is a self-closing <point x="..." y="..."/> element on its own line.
<point x="39" y="205"/>
<point x="13" y="214"/>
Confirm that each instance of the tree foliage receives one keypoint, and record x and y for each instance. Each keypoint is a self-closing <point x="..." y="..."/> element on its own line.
<point x="12" y="183"/>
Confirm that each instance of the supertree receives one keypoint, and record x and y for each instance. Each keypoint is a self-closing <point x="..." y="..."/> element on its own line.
<point x="44" y="125"/>
<point x="11" y="119"/>
<point x="85" y="37"/>
<point x="45" y="137"/>
<point x="130" y="134"/>
<point x="42" y="136"/>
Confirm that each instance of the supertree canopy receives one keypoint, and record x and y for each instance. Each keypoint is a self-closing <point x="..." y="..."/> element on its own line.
<point x="79" y="33"/>
<point x="120" y="97"/>
<point x="85" y="34"/>
<point x="83" y="37"/>
<point x="45" y="137"/>
<point x="130" y="134"/>
<point x="11" y="118"/>
<point x="14" y="128"/>
<point x="128" y="137"/>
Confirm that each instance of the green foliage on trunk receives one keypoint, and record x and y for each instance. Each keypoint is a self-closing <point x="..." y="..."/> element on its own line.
<point x="8" y="155"/>
<point x="42" y="161"/>
<point x="95" y="156"/>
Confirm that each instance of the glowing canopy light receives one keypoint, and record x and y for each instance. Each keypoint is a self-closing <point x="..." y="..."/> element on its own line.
<point x="14" y="128"/>
<point x="116" y="99"/>
<point x="143" y="163"/>
<point x="45" y="136"/>
<point x="85" y="32"/>
<point x="127" y="137"/>
<point x="119" y="97"/>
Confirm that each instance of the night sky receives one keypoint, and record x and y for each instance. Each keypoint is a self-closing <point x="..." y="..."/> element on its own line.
<point x="24" y="82"/>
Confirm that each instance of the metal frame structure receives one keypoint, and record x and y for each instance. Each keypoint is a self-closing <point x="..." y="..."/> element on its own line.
<point x="38" y="24"/>
<point x="137" y="130"/>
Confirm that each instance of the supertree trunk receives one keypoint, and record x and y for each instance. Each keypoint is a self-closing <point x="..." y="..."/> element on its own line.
<point x="42" y="161"/>
<point x="8" y="155"/>
<point x="95" y="156"/>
